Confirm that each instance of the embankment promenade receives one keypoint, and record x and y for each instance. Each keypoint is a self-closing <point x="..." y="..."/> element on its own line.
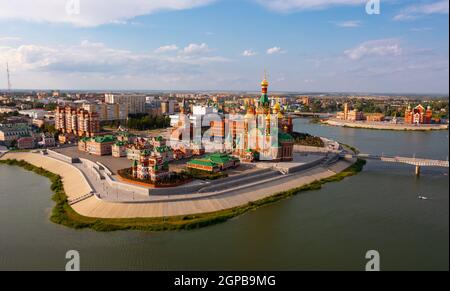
<point x="386" y="125"/>
<point x="77" y="185"/>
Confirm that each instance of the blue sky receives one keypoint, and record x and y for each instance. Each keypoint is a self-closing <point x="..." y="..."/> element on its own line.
<point x="305" y="45"/>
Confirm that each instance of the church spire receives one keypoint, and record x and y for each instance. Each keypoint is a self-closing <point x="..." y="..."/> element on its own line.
<point x="264" y="100"/>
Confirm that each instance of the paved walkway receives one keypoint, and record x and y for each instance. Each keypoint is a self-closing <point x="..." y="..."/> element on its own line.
<point x="76" y="185"/>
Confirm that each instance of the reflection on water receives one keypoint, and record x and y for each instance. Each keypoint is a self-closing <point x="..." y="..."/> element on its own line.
<point x="330" y="229"/>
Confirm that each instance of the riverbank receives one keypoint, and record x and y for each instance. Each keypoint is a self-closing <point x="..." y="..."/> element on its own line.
<point x="385" y="126"/>
<point x="103" y="216"/>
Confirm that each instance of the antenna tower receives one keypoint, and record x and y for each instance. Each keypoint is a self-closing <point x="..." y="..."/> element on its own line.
<point x="8" y="77"/>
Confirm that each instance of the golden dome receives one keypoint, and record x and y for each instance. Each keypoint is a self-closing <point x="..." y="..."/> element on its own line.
<point x="265" y="83"/>
<point x="277" y="107"/>
<point x="268" y="117"/>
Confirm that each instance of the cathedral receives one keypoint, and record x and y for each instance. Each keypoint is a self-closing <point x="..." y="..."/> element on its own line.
<point x="266" y="133"/>
<point x="262" y="133"/>
<point x="418" y="115"/>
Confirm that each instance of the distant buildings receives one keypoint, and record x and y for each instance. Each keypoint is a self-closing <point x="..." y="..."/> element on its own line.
<point x="375" y="117"/>
<point x="78" y="122"/>
<point x="47" y="140"/>
<point x="7" y="110"/>
<point x="108" y="112"/>
<point x="305" y="100"/>
<point x="134" y="104"/>
<point x="34" y="113"/>
<point x="11" y="132"/>
<point x="350" y="115"/>
<point x="168" y="107"/>
<point x="418" y="115"/>
<point x="356" y="115"/>
<point x="22" y="136"/>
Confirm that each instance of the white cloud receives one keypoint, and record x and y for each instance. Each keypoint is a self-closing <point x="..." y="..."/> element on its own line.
<point x="418" y="10"/>
<point x="97" y="58"/>
<point x="249" y="53"/>
<point x="275" y="50"/>
<point x="297" y="5"/>
<point x="91" y="12"/>
<point x="9" y="38"/>
<point x="166" y="48"/>
<point x="379" y="48"/>
<point x="348" y="23"/>
<point x="196" y="49"/>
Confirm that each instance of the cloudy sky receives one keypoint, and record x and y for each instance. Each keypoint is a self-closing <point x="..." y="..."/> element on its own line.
<point x="305" y="45"/>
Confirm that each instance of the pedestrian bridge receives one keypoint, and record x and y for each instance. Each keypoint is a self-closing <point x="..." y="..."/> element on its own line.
<point x="417" y="162"/>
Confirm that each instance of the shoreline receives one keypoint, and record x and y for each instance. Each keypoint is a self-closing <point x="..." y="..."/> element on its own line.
<point x="382" y="126"/>
<point x="69" y="216"/>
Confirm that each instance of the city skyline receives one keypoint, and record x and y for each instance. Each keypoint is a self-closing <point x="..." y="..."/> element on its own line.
<point x="226" y="45"/>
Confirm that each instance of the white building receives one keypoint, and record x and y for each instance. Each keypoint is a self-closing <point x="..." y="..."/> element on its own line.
<point x="7" y="110"/>
<point x="35" y="113"/>
<point x="203" y="110"/>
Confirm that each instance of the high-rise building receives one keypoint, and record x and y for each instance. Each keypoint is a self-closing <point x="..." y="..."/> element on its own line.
<point x="108" y="112"/>
<point x="135" y="104"/>
<point x="77" y="121"/>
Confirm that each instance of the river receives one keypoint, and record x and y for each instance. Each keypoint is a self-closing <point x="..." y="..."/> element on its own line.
<point x="329" y="229"/>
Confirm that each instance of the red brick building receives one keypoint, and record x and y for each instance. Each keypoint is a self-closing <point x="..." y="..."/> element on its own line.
<point x="418" y="115"/>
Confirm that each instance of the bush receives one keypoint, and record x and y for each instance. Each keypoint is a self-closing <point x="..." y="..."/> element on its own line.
<point x="305" y="139"/>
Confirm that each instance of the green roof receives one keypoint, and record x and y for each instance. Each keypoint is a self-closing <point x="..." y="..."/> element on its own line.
<point x="163" y="149"/>
<point x="285" y="137"/>
<point x="103" y="139"/>
<point x="213" y="160"/>
<point x="121" y="144"/>
<point x="220" y="158"/>
<point x="202" y="163"/>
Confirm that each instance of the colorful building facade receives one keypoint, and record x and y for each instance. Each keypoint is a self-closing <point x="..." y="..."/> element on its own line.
<point x="418" y="115"/>
<point x="98" y="146"/>
<point x="266" y="132"/>
<point x="77" y="121"/>
<point x="149" y="167"/>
